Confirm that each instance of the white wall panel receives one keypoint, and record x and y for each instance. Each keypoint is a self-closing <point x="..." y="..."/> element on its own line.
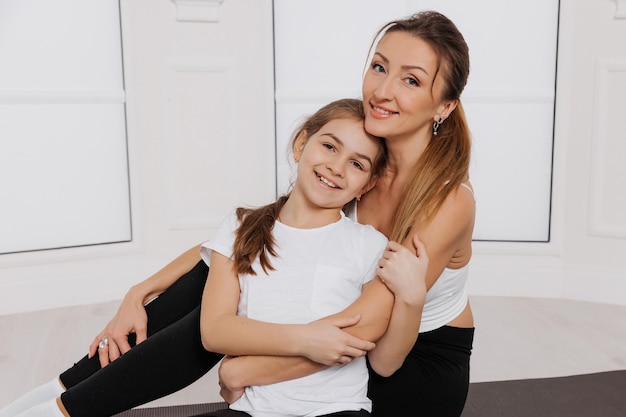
<point x="201" y="161"/>
<point x="321" y="48"/>
<point x="63" y="157"/>
<point x="607" y="206"/>
<point x="64" y="177"/>
<point x="61" y="44"/>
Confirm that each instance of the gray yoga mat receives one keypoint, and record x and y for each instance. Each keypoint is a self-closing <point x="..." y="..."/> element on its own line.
<point x="600" y="394"/>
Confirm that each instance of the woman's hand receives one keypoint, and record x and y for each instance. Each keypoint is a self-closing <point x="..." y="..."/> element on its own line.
<point x="404" y="271"/>
<point x="130" y="318"/>
<point x="326" y="343"/>
<point x="226" y="372"/>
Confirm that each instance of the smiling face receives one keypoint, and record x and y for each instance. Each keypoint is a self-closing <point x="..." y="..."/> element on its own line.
<point x="336" y="163"/>
<point x="402" y="88"/>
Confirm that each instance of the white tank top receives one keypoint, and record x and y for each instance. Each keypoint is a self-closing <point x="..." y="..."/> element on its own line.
<point x="447" y="298"/>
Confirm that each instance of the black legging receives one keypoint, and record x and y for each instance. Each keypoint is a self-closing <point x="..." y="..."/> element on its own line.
<point x="432" y="382"/>
<point x="171" y="358"/>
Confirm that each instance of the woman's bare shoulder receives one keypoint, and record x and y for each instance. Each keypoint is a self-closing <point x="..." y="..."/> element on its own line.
<point x="459" y="206"/>
<point x="448" y="236"/>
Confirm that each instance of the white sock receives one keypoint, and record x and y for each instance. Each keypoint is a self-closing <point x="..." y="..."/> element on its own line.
<point x="45" y="409"/>
<point x="45" y="392"/>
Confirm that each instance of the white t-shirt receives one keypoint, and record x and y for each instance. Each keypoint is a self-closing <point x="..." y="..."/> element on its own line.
<point x="318" y="272"/>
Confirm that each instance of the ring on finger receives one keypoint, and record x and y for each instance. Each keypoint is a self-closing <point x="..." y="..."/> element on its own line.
<point x="104" y="342"/>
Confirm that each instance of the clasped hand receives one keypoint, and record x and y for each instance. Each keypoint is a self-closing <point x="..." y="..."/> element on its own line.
<point x="326" y="342"/>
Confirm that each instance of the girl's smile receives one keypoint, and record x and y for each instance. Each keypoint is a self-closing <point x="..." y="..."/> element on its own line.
<point x="326" y="181"/>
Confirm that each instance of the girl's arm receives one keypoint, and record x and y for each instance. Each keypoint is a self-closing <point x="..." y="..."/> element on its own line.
<point x="445" y="236"/>
<point x="321" y="341"/>
<point x="131" y="315"/>
<point x="405" y="276"/>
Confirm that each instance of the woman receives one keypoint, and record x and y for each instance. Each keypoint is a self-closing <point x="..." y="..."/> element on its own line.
<point x="427" y="193"/>
<point x="413" y="101"/>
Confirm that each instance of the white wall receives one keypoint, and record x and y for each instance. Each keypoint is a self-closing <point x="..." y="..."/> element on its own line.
<point x="191" y="83"/>
<point x="201" y="141"/>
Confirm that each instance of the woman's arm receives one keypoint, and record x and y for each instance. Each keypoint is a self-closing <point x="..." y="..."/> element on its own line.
<point x="448" y="234"/>
<point x="372" y="309"/>
<point x="237" y="373"/>
<point x="321" y="341"/>
<point x="131" y="315"/>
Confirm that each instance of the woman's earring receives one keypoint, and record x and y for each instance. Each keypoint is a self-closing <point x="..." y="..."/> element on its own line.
<point x="436" y="124"/>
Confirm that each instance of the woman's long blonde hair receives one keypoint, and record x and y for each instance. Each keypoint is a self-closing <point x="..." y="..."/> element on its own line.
<point x="444" y="165"/>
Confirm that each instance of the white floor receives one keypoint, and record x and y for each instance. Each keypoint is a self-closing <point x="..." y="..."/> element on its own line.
<point x="515" y="338"/>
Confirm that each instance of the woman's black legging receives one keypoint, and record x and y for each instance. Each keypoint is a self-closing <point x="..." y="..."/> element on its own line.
<point x="433" y="380"/>
<point x="171" y="358"/>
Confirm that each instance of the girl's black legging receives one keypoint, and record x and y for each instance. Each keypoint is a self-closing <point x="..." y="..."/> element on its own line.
<point x="171" y="358"/>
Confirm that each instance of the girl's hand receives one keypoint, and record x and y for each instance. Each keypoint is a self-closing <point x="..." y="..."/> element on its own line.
<point x="326" y="343"/>
<point x="228" y="391"/>
<point x="130" y="318"/>
<point x="404" y="271"/>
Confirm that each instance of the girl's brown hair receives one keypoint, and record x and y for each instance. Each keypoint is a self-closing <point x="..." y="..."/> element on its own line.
<point x="254" y="235"/>
<point x="445" y="162"/>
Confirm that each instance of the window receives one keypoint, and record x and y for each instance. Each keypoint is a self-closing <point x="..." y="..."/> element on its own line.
<point x="320" y="50"/>
<point x="63" y="154"/>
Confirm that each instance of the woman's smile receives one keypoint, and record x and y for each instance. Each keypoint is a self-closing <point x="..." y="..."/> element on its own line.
<point x="380" y="112"/>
